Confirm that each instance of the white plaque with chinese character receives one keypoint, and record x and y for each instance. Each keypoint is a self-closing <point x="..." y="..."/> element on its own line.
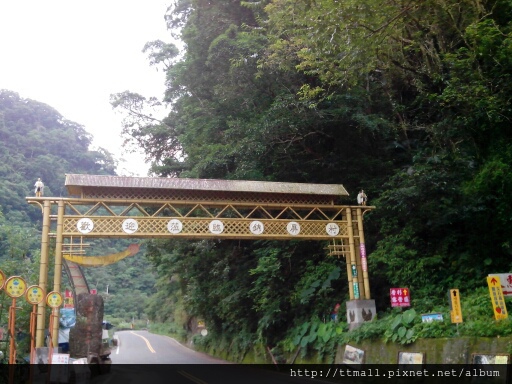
<point x="174" y="226"/>
<point x="216" y="227"/>
<point x="293" y="228"/>
<point x="85" y="225"/>
<point x="130" y="226"/>
<point x="332" y="229"/>
<point x="256" y="227"/>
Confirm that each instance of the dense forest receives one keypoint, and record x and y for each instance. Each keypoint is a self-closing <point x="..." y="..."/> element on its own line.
<point x="409" y="100"/>
<point x="38" y="142"/>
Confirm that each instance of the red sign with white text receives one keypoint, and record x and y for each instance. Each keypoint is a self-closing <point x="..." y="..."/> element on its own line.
<point x="400" y="297"/>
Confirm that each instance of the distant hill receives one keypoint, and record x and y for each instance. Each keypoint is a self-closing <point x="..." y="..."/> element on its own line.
<point x="37" y="141"/>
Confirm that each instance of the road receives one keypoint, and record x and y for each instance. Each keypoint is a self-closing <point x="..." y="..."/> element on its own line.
<point x="142" y="347"/>
<point x="142" y="357"/>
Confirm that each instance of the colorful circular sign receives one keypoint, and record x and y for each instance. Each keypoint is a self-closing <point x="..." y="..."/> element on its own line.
<point x="34" y="294"/>
<point x="2" y="279"/>
<point x="54" y="299"/>
<point x="15" y="286"/>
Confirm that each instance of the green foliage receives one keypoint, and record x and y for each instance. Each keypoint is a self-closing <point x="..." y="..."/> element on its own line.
<point x="410" y="102"/>
<point x="36" y="141"/>
<point x="402" y="328"/>
<point x="169" y="329"/>
<point x="314" y="335"/>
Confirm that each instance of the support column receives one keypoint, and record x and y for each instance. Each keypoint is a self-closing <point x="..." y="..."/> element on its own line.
<point x="363" y="308"/>
<point x="349" y="273"/>
<point x="58" y="268"/>
<point x="362" y="253"/>
<point x="43" y="274"/>
<point x="353" y="278"/>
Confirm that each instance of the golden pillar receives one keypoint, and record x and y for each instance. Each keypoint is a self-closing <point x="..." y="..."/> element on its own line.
<point x="349" y="273"/>
<point x="353" y="277"/>
<point x="43" y="273"/>
<point x="362" y="254"/>
<point x="58" y="268"/>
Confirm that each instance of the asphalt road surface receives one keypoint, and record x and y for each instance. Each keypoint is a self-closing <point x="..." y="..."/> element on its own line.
<point x="142" y="347"/>
<point x="142" y="357"/>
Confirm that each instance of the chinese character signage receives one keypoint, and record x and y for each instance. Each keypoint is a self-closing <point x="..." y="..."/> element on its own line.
<point x="293" y="228"/>
<point x="15" y="286"/>
<point x="362" y="253"/>
<point x="256" y="227"/>
<point x="506" y="282"/>
<point x="54" y="299"/>
<point x="60" y="358"/>
<point x="356" y="290"/>
<point x="456" y="311"/>
<point x="400" y="297"/>
<point x="34" y="294"/>
<point x="130" y="226"/>
<point x="85" y="225"/>
<point x="216" y="227"/>
<point x="332" y="229"/>
<point x="174" y="226"/>
<point x="68" y="299"/>
<point x="498" y="301"/>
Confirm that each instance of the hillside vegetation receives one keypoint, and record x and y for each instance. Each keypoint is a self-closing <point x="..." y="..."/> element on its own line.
<point x="36" y="141"/>
<point x="408" y="100"/>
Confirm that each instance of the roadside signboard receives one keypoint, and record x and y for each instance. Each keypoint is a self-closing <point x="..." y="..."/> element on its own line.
<point x="498" y="301"/>
<point x="34" y="294"/>
<point x="68" y="299"/>
<point x="54" y="299"/>
<point x="2" y="279"/>
<point x="456" y="311"/>
<point x="15" y="286"/>
<point x="430" y="317"/>
<point x="362" y="253"/>
<point x="400" y="297"/>
<point x="506" y="282"/>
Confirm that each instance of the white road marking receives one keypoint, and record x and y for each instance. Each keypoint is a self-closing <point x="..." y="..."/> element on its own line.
<point x="117" y="339"/>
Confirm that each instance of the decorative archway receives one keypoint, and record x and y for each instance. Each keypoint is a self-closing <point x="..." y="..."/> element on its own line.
<point x="151" y="207"/>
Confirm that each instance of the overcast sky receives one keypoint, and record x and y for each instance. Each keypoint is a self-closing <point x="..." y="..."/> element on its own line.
<point x="72" y="55"/>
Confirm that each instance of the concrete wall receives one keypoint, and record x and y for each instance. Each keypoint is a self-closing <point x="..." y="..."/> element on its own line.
<point x="437" y="351"/>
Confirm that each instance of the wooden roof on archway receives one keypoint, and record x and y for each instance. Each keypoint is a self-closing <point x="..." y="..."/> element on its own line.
<point x="202" y="190"/>
<point x="154" y="207"/>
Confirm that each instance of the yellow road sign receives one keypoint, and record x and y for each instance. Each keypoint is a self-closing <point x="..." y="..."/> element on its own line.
<point x="15" y="286"/>
<point x="2" y="279"/>
<point x="498" y="301"/>
<point x="456" y="312"/>
<point x="34" y="294"/>
<point x="54" y="299"/>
